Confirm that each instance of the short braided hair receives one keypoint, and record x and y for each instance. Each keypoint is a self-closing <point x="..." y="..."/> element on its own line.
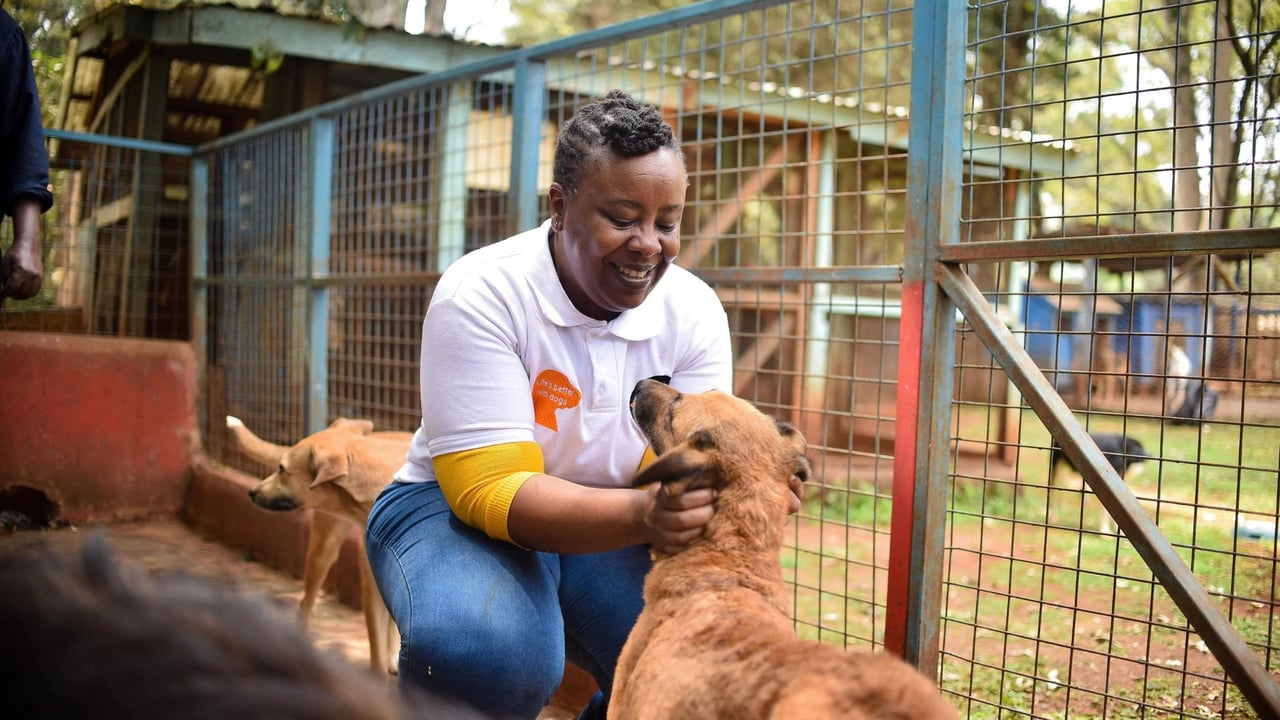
<point x="617" y="122"/>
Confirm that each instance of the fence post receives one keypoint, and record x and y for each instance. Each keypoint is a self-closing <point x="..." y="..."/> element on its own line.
<point x="199" y="287"/>
<point x="320" y="185"/>
<point x="453" y="174"/>
<point x="528" y="110"/>
<point x="926" y="351"/>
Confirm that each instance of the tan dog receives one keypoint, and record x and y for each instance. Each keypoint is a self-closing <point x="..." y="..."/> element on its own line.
<point x="338" y="472"/>
<point x="715" y="639"/>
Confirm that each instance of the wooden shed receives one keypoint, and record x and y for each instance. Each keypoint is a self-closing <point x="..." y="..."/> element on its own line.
<point x="188" y="73"/>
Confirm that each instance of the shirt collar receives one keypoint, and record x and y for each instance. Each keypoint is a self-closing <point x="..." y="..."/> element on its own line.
<point x="639" y="323"/>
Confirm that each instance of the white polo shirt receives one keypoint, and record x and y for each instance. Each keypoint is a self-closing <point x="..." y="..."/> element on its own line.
<point x="507" y="358"/>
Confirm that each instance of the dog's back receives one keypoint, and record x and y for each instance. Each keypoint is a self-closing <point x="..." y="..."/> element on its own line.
<point x="1125" y="454"/>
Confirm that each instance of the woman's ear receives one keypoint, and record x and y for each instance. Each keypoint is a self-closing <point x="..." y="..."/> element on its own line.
<point x="557" y="197"/>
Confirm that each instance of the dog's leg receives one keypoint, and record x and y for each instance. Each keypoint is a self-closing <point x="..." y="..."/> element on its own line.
<point x="323" y="545"/>
<point x="377" y="621"/>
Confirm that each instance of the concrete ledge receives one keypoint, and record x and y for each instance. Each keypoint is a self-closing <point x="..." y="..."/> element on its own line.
<point x="104" y="427"/>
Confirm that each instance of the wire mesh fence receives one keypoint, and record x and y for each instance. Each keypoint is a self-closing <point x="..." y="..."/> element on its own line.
<point x="114" y="245"/>
<point x="1134" y="305"/>
<point x="1151" y="329"/>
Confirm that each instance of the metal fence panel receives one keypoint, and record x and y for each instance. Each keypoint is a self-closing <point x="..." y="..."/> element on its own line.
<point x="1125" y="275"/>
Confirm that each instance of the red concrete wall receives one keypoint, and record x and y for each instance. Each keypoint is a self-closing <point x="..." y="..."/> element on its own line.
<point x="104" y="427"/>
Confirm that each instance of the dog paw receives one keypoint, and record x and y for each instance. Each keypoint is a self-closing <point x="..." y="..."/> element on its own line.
<point x="233" y="421"/>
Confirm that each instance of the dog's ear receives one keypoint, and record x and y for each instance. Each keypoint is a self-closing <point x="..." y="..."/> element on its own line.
<point x="359" y="426"/>
<point x="327" y="466"/>
<point x="682" y="468"/>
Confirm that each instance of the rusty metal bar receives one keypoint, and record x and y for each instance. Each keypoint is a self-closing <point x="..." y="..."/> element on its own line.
<point x="1240" y="663"/>
<point x="879" y="274"/>
<point x="1104" y="246"/>
<point x="926" y="351"/>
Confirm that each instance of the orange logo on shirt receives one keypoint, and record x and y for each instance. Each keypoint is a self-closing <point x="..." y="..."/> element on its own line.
<point x="552" y="391"/>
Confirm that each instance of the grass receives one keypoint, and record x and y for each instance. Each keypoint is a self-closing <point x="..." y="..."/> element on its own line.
<point x="1058" y="621"/>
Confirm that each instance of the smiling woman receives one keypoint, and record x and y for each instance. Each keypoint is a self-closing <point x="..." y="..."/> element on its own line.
<point x="512" y="538"/>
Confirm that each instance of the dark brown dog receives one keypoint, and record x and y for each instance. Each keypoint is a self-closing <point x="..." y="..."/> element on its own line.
<point x="89" y="636"/>
<point x="338" y="472"/>
<point x="715" y="639"/>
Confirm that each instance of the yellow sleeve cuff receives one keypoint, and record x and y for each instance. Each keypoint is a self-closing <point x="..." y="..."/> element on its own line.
<point x="647" y="459"/>
<point x="480" y="484"/>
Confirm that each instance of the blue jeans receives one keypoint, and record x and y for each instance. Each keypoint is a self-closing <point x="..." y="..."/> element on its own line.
<point x="488" y="624"/>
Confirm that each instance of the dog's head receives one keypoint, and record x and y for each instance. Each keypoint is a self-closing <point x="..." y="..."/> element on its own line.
<point x="1135" y="450"/>
<point x="716" y="440"/>
<point x="316" y="464"/>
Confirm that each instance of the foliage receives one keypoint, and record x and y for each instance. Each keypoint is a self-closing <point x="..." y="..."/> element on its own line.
<point x="48" y="24"/>
<point x="1104" y="79"/>
<point x="1126" y="72"/>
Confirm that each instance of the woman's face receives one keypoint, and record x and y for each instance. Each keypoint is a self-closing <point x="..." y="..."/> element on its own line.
<point x="616" y="235"/>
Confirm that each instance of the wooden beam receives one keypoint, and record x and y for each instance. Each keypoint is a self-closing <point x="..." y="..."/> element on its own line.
<point x="767" y="344"/>
<point x="116" y="211"/>
<point x="141" y="239"/>
<point x="299" y="37"/>
<point x="121" y="83"/>
<point x="68" y="91"/>
<point x="727" y="213"/>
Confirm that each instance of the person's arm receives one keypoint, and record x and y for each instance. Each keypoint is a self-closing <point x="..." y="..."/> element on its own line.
<point x="502" y="491"/>
<point x="24" y="175"/>
<point x="556" y="515"/>
<point x="22" y="270"/>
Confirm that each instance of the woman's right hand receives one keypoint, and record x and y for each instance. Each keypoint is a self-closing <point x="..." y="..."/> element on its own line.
<point x="670" y="522"/>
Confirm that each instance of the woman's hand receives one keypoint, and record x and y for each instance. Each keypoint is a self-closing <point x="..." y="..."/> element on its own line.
<point x="671" y="522"/>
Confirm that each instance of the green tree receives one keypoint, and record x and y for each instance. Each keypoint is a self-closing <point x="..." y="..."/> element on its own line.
<point x="859" y="52"/>
<point x="48" y="24"/>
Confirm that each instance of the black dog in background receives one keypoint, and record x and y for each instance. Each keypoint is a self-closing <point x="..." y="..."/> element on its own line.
<point x="1125" y="454"/>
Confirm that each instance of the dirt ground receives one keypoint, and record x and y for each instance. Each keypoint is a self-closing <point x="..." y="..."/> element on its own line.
<point x="167" y="543"/>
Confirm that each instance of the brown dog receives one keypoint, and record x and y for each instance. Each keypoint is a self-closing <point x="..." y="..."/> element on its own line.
<point x="715" y="639"/>
<point x="338" y="472"/>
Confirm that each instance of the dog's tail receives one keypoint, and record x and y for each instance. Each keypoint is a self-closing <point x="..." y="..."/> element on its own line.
<point x="256" y="448"/>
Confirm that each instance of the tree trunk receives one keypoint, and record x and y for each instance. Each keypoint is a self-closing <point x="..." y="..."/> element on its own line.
<point x="434" y="24"/>
<point x="1186" y="175"/>
<point x="1223" y="144"/>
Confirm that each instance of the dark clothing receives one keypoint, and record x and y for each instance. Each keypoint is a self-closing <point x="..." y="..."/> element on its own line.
<point x="24" y="163"/>
<point x="1198" y="405"/>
